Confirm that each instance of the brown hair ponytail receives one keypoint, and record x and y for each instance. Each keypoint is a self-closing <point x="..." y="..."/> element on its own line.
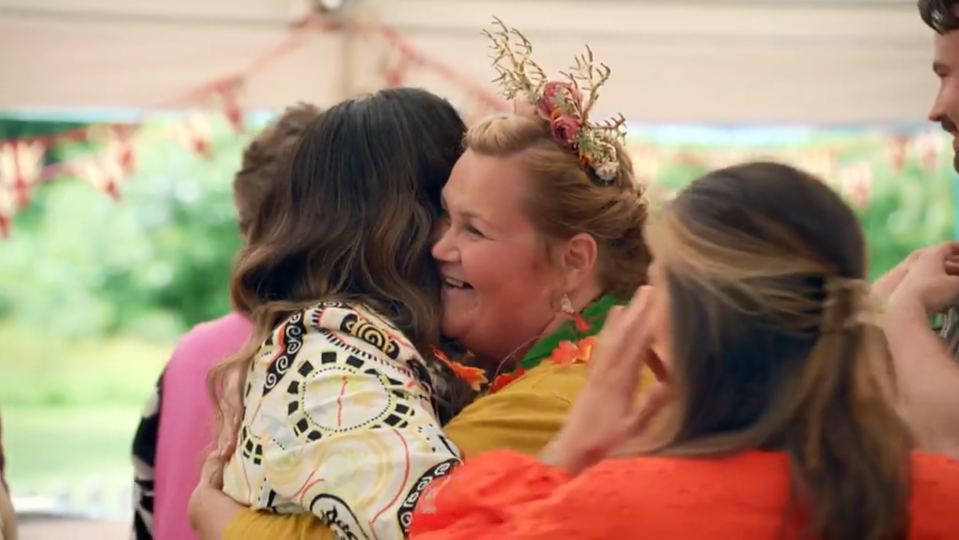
<point x="773" y="349"/>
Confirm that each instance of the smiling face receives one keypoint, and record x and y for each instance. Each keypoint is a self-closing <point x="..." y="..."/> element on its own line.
<point x="500" y="294"/>
<point x="945" y="109"/>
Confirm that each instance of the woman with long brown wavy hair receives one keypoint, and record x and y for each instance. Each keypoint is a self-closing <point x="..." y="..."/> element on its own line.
<point x="342" y="398"/>
<point x="777" y="418"/>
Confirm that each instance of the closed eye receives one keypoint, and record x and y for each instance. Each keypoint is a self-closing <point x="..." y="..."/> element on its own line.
<point x="474" y="231"/>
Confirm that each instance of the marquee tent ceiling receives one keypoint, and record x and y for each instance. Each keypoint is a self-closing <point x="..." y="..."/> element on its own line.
<point x="721" y="62"/>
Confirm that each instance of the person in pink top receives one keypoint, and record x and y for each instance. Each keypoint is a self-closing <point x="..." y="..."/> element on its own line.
<point x="177" y="428"/>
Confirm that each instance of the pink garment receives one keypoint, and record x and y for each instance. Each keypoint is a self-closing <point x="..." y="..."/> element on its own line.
<point x="187" y="425"/>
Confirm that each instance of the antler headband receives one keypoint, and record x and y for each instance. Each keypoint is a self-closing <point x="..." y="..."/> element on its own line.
<point x="561" y="103"/>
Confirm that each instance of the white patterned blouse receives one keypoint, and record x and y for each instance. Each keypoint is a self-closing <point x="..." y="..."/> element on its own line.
<point x="339" y="421"/>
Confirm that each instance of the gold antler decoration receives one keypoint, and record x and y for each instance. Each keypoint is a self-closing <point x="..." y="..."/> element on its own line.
<point x="565" y="105"/>
<point x="614" y="127"/>
<point x="523" y="75"/>
<point x="593" y="77"/>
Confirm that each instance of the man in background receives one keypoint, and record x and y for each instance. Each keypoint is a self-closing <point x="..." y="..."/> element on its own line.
<point x="177" y="428"/>
<point x="927" y="283"/>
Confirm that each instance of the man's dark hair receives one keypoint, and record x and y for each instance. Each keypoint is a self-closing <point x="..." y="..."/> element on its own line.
<point x="940" y="15"/>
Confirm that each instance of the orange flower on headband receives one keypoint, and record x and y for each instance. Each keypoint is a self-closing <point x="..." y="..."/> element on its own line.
<point x="564" y="104"/>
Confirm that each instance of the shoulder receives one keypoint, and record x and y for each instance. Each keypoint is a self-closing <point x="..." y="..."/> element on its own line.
<point x="551" y="379"/>
<point x="661" y="492"/>
<point x="339" y="335"/>
<point x="224" y="335"/>
<point x="748" y="477"/>
<point x="358" y="322"/>
<point x="935" y="478"/>
<point x="206" y="345"/>
<point x="562" y="381"/>
<point x="935" y="496"/>
<point x="342" y="325"/>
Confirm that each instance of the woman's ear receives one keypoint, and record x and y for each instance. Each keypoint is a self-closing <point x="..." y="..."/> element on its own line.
<point x="579" y="260"/>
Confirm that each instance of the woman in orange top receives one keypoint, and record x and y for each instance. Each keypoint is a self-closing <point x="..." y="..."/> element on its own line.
<point x="777" y="418"/>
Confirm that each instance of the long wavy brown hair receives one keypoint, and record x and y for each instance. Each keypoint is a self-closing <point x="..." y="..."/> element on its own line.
<point x="351" y="219"/>
<point x="765" y="268"/>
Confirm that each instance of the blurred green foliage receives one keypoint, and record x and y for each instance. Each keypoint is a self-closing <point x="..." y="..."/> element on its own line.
<point x="908" y="207"/>
<point x="152" y="264"/>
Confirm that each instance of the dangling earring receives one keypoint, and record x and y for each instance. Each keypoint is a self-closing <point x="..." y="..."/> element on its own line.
<point x="566" y="305"/>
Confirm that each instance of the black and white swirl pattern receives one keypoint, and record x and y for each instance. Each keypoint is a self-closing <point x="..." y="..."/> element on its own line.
<point x="292" y="332"/>
<point x="355" y="326"/>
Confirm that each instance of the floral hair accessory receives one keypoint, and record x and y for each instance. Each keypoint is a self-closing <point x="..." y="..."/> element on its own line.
<point x="564" y="104"/>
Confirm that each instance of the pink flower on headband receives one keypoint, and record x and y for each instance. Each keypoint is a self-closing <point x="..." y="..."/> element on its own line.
<point x="565" y="128"/>
<point x="554" y="99"/>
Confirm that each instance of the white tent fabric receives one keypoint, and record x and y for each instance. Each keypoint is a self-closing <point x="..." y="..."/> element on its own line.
<point x="692" y="61"/>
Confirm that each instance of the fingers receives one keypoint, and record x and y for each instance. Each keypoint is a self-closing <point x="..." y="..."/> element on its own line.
<point x="657" y="366"/>
<point x="951" y="248"/>
<point x="637" y="322"/>
<point x="952" y="267"/>
<point x="624" y="347"/>
<point x="211" y="474"/>
<point x="636" y="311"/>
<point x="225" y="451"/>
<point x="627" y="332"/>
<point x="645" y="412"/>
<point x="888" y="282"/>
<point x="614" y="315"/>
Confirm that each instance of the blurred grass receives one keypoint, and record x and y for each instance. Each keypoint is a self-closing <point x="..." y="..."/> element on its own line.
<point x="39" y="369"/>
<point x="58" y="446"/>
<point x="70" y="407"/>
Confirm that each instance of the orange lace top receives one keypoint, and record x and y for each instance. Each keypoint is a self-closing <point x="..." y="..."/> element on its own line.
<point x="508" y="496"/>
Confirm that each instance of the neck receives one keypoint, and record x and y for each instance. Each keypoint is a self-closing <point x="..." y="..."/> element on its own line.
<point x="493" y="366"/>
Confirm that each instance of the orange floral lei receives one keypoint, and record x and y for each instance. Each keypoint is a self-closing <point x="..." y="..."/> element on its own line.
<point x="473" y="376"/>
<point x="571" y="344"/>
<point x="566" y="354"/>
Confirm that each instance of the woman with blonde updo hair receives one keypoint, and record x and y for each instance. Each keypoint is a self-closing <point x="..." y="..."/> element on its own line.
<point x="541" y="235"/>
<point x="779" y="416"/>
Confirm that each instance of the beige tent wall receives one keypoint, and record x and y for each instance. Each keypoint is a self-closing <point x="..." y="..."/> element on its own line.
<point x="673" y="60"/>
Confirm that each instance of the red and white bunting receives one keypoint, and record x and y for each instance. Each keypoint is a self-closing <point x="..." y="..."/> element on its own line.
<point x="820" y="164"/>
<point x="8" y="208"/>
<point x="195" y="134"/>
<point x="929" y="145"/>
<point x="21" y="163"/>
<point x="227" y="100"/>
<point x="104" y="172"/>
<point x="856" y="182"/>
